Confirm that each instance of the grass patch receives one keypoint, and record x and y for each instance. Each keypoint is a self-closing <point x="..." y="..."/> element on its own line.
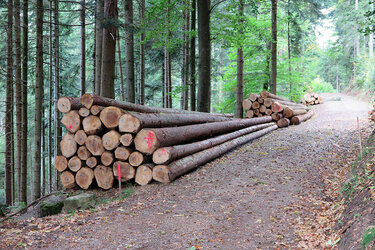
<point x="368" y="237"/>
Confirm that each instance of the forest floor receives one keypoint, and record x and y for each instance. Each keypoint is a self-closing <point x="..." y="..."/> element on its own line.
<point x="280" y="191"/>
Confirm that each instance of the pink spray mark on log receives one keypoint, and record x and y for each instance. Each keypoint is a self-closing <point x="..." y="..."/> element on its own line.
<point x="163" y="151"/>
<point x="150" y="139"/>
<point x="70" y="126"/>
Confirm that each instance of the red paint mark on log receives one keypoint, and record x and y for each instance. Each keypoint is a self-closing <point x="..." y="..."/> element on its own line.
<point x="149" y="139"/>
<point x="163" y="151"/>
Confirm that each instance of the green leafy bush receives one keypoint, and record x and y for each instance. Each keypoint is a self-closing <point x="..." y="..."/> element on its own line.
<point x="320" y="86"/>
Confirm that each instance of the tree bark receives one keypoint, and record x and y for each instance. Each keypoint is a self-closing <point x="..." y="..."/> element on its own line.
<point x="166" y="155"/>
<point x="134" y="122"/>
<point x="240" y="70"/>
<point x="143" y="176"/>
<point x="109" y="49"/>
<point x="148" y="140"/>
<point x="122" y="90"/>
<point x="83" y="46"/>
<point x="142" y="56"/>
<point x="192" y="57"/>
<point x="289" y="112"/>
<point x="129" y="38"/>
<point x="104" y="177"/>
<point x="163" y="173"/>
<point x="273" y="46"/>
<point x="296" y="120"/>
<point x="204" y="82"/>
<point x="98" y="45"/>
<point x="38" y="99"/>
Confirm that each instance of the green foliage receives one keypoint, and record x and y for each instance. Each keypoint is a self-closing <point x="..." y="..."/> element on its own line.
<point x="320" y="86"/>
<point x="51" y="209"/>
<point x="368" y="237"/>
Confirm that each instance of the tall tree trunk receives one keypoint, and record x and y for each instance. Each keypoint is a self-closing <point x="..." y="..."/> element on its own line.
<point x="109" y="49"/>
<point x="83" y="46"/>
<point x="50" y="104"/>
<point x="25" y="57"/>
<point x="9" y="109"/>
<point x="122" y="90"/>
<point x="142" y="56"/>
<point x="356" y="40"/>
<point x="98" y="45"/>
<point x="18" y="84"/>
<point x="273" y="46"/>
<point x="56" y="90"/>
<point x="129" y="38"/>
<point x="185" y="60"/>
<point x="204" y="69"/>
<point x="240" y="62"/>
<point x="38" y="99"/>
<point x="371" y="40"/>
<point x="267" y="71"/>
<point x="289" y="63"/>
<point x="192" y="57"/>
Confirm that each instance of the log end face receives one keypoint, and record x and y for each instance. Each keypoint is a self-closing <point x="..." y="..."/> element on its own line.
<point x="67" y="180"/>
<point x="104" y="177"/>
<point x="136" y="158"/>
<point x="87" y="100"/>
<point x="110" y="117"/>
<point x="71" y="121"/>
<point x="146" y="141"/>
<point x="111" y="140"/>
<point x="160" y="173"/>
<point x="129" y="124"/>
<point x="64" y="105"/>
<point x="61" y="163"/>
<point x="161" y="156"/>
<point x="126" y="139"/>
<point x="84" y="177"/>
<point x="68" y="145"/>
<point x="127" y="171"/>
<point x="143" y="175"/>
<point x="94" y="145"/>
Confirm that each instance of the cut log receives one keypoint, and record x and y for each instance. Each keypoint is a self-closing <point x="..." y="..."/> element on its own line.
<point x="74" y="164"/>
<point x="283" y="122"/>
<point x="94" y="145"/>
<point x="165" y="155"/>
<point x="122" y="153"/>
<point x="132" y="123"/>
<point x="68" y="145"/>
<point x="126" y="140"/>
<point x="110" y="116"/>
<point x="255" y="105"/>
<point x="253" y="97"/>
<point x="246" y="104"/>
<point x="256" y="112"/>
<point x="266" y="94"/>
<point x="137" y="158"/>
<point x="260" y="115"/>
<point x="301" y="118"/>
<point x="249" y="113"/>
<point x="267" y="102"/>
<point x="268" y="112"/>
<point x="148" y="140"/>
<point x="276" y="107"/>
<point x="262" y="109"/>
<point x="84" y="112"/>
<point x="104" y="177"/>
<point x="95" y="109"/>
<point x="83" y="153"/>
<point x="287" y="112"/>
<point x="72" y="121"/>
<point x="127" y="171"/>
<point x="164" y="173"/>
<point x="67" y="180"/>
<point x="84" y="177"/>
<point x="290" y="104"/>
<point x="107" y="158"/>
<point x="92" y="125"/>
<point x="66" y="104"/>
<point x="80" y="137"/>
<point x="143" y="176"/>
<point x="276" y="116"/>
<point x="298" y="112"/>
<point x="61" y="163"/>
<point x="92" y="162"/>
<point x="88" y="100"/>
<point x="111" y="140"/>
<point x="260" y="100"/>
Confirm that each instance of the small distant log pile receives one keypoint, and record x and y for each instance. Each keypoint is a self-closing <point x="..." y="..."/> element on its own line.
<point x="312" y="99"/>
<point x="282" y="111"/>
<point x="144" y="143"/>
<point x="372" y="114"/>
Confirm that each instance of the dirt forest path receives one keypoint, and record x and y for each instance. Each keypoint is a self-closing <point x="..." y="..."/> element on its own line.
<point x="259" y="196"/>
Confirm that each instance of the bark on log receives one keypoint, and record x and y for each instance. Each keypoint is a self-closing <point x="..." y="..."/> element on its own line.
<point x="256" y="112"/>
<point x="107" y="158"/>
<point x="80" y="137"/>
<point x="104" y="177"/>
<point x="301" y="118"/>
<point x="95" y="145"/>
<point x="111" y="140"/>
<point x="132" y="123"/>
<point x="122" y="153"/>
<point x="246" y="104"/>
<point x="249" y="113"/>
<point x="137" y="158"/>
<point x="88" y="100"/>
<point x="95" y="109"/>
<point x="277" y="107"/>
<point x="126" y="139"/>
<point x="74" y="164"/>
<point x="61" y="163"/>
<point x="283" y="122"/>
<point x="68" y="145"/>
<point x="253" y="97"/>
<point x="276" y="116"/>
<point x="91" y="162"/>
<point x="84" y="112"/>
<point x="110" y="116"/>
<point x="166" y="155"/>
<point x="67" y="180"/>
<point x="84" y="177"/>
<point x="148" y="140"/>
<point x="127" y="171"/>
<point x="164" y="173"/>
<point x="72" y="121"/>
<point x="288" y="112"/>
<point x="143" y="176"/>
<point x="66" y="104"/>
<point x="266" y="94"/>
<point x="83" y="153"/>
<point x="92" y="125"/>
<point x="290" y="104"/>
<point x="260" y="100"/>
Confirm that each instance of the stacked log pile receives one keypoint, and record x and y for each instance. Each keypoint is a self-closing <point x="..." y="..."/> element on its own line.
<point x="282" y="111"/>
<point x="372" y="114"/>
<point x="312" y="99"/>
<point x="144" y="143"/>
